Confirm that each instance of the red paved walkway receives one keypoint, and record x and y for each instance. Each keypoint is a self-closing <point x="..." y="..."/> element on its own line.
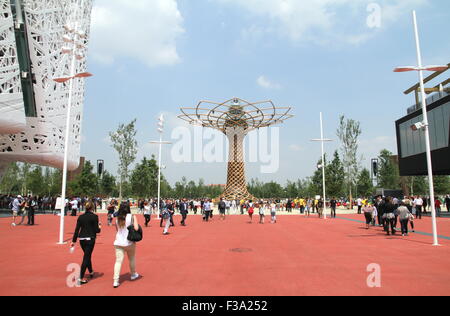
<point x="297" y="256"/>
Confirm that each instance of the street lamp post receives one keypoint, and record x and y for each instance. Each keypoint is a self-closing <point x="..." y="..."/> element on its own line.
<point x="76" y="55"/>
<point x="425" y="124"/>
<point x="323" y="166"/>
<point x="160" y="143"/>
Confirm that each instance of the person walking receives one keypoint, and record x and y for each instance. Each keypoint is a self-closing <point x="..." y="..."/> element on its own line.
<point x="74" y="207"/>
<point x="88" y="226"/>
<point x="228" y="207"/>
<point x="369" y="211"/>
<point x="309" y="206"/>
<point x="31" y="205"/>
<point x="206" y="210"/>
<point x="122" y="245"/>
<point x="147" y="213"/>
<point x="273" y="213"/>
<point x="222" y="208"/>
<point x="16" y="207"/>
<point x="320" y="206"/>
<point x="165" y="217"/>
<point x="405" y="216"/>
<point x="418" y="203"/>
<point x="447" y="202"/>
<point x="184" y="211"/>
<point x="359" y="202"/>
<point x="437" y="205"/>
<point x="251" y="211"/>
<point x="389" y="216"/>
<point x="379" y="205"/>
<point x="111" y="210"/>
<point x="262" y="207"/>
<point x="333" y="204"/>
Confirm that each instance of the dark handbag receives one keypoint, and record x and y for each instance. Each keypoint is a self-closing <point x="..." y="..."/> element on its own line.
<point x="133" y="235"/>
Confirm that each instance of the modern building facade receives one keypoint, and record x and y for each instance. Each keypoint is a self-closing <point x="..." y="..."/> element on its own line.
<point x="411" y="142"/>
<point x="35" y="50"/>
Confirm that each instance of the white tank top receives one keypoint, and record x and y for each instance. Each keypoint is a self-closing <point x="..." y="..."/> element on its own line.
<point x="122" y="233"/>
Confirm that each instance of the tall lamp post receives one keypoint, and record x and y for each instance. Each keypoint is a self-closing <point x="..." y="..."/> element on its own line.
<point x="74" y="37"/>
<point x="324" y="165"/>
<point x="425" y="124"/>
<point x="160" y="143"/>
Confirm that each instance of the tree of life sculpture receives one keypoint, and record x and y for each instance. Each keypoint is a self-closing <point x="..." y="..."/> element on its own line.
<point x="236" y="118"/>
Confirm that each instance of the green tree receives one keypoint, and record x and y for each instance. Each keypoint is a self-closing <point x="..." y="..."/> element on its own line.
<point x="25" y="171"/>
<point x="107" y="184"/>
<point x="388" y="173"/>
<point x="36" y="183"/>
<point x="417" y="185"/>
<point x="292" y="190"/>
<point x="55" y="184"/>
<point x="85" y="184"/>
<point x="335" y="177"/>
<point x="317" y="179"/>
<point x="11" y="182"/>
<point x="348" y="132"/>
<point x="442" y="185"/>
<point x="126" y="146"/>
<point x="365" y="185"/>
<point x="144" y="178"/>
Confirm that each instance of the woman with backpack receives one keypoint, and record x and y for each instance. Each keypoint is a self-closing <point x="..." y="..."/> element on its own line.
<point x="122" y="245"/>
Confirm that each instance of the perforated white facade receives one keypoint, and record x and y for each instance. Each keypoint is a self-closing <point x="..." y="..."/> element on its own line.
<point x="12" y="112"/>
<point x="42" y="140"/>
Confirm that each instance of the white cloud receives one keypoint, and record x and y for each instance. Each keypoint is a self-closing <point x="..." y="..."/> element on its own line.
<point x="320" y="21"/>
<point x="295" y="148"/>
<point x="267" y="84"/>
<point x="139" y="29"/>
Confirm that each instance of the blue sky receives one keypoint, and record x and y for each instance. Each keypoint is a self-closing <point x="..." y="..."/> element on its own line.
<point x="155" y="56"/>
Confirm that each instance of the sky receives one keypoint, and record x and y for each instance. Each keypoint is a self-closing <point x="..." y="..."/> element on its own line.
<point x="151" y="57"/>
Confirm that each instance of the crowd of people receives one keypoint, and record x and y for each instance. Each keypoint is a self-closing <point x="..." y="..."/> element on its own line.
<point x="389" y="212"/>
<point x="28" y="206"/>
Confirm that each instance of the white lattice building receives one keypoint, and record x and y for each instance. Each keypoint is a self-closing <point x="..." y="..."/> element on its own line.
<point x="32" y="105"/>
<point x="12" y="118"/>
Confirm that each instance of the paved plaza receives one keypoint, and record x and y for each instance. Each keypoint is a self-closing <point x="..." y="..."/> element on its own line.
<point x="296" y="256"/>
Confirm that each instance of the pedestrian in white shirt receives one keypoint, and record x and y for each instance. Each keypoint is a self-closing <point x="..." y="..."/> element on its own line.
<point x="122" y="245"/>
<point x="418" y="202"/>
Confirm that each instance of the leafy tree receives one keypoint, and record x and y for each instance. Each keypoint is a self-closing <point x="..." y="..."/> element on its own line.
<point x="144" y="178"/>
<point x="442" y="185"/>
<point x="11" y="181"/>
<point x="85" y="184"/>
<point x="55" y="184"/>
<point x="365" y="185"/>
<point x="107" y="184"/>
<point x="292" y="190"/>
<point x="417" y="185"/>
<point x="317" y="179"/>
<point x="335" y="177"/>
<point x="36" y="181"/>
<point x="388" y="173"/>
<point x="25" y="170"/>
<point x="348" y="132"/>
<point x="126" y="146"/>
